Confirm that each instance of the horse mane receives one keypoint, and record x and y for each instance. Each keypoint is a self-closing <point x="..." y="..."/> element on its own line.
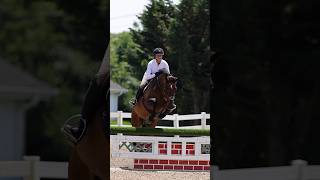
<point x="164" y="70"/>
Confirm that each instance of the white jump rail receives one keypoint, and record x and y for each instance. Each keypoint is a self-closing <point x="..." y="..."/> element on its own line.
<point x="31" y="168"/>
<point x="299" y="170"/>
<point x="120" y="115"/>
<point x="116" y="140"/>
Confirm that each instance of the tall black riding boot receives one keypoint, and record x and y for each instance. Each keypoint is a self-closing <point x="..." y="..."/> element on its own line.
<point x="95" y="98"/>
<point x="138" y="95"/>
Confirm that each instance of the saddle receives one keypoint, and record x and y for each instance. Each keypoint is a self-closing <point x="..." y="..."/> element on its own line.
<point x="75" y="127"/>
<point x="149" y="83"/>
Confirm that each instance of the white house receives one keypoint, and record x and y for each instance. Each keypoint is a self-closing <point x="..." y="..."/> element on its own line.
<point x="115" y="91"/>
<point x="18" y="92"/>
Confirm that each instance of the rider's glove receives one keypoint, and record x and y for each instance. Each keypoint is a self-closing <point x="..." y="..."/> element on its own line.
<point x="157" y="74"/>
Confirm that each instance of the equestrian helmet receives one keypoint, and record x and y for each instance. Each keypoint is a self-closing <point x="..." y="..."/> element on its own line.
<point x="158" y="51"/>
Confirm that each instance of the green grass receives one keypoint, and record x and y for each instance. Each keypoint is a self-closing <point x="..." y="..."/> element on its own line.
<point x="125" y="122"/>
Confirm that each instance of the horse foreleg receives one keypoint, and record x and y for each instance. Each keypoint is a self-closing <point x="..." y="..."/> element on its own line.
<point x="154" y="122"/>
<point x="136" y="120"/>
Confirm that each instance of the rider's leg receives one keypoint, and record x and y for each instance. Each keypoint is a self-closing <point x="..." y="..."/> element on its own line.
<point x="97" y="94"/>
<point x="94" y="98"/>
<point x="139" y="92"/>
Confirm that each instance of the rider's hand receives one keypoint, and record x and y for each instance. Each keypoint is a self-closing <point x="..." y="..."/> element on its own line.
<point x="157" y="74"/>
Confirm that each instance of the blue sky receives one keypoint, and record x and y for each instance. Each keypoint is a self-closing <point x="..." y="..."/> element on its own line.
<point x="123" y="13"/>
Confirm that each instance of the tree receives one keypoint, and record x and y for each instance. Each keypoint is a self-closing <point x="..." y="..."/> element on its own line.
<point x="46" y="39"/>
<point x="183" y="32"/>
<point x="266" y="83"/>
<point x="122" y="50"/>
<point x="190" y="54"/>
<point x="155" y="21"/>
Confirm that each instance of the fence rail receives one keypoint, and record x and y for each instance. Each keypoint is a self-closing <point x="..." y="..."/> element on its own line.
<point x="33" y="169"/>
<point x="176" y="118"/>
<point x="299" y="170"/>
<point x="155" y="141"/>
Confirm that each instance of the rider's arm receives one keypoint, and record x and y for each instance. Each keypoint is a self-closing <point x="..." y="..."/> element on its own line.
<point x="148" y="74"/>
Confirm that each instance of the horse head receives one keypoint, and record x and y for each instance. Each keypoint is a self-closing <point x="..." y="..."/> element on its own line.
<point x="168" y="83"/>
<point x="171" y="85"/>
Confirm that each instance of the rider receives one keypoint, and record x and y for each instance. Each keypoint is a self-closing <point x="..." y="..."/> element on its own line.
<point x="95" y="97"/>
<point x="153" y="71"/>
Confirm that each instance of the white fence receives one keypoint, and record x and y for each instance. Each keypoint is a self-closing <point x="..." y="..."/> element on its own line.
<point x="33" y="169"/>
<point x="119" y="116"/>
<point x="117" y="140"/>
<point x="299" y="170"/>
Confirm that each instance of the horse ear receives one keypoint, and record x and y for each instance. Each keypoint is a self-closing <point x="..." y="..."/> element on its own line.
<point x="174" y="79"/>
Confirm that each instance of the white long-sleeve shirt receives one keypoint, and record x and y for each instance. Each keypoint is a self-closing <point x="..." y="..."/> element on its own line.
<point x="154" y="67"/>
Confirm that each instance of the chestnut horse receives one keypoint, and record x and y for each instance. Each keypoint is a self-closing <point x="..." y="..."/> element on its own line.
<point x="89" y="158"/>
<point x="155" y="99"/>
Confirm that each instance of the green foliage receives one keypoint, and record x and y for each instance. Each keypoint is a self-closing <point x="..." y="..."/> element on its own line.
<point x="155" y="21"/>
<point x="183" y="32"/>
<point x="266" y="83"/>
<point x="190" y="53"/>
<point x="51" y="42"/>
<point x="123" y="50"/>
